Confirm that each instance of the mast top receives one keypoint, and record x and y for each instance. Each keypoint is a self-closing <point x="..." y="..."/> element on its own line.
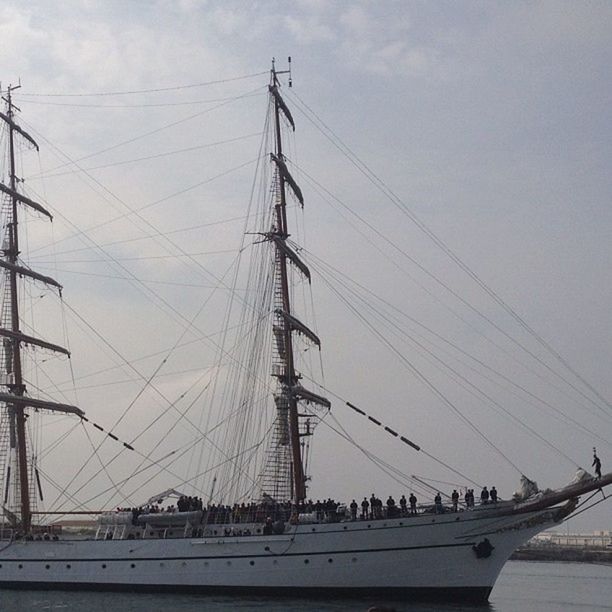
<point x="8" y="98"/>
<point x="276" y="72"/>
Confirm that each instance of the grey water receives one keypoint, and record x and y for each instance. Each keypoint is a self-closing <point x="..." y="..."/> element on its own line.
<point x="522" y="586"/>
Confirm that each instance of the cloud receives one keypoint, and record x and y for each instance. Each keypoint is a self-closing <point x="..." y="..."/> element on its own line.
<point x="383" y="42"/>
<point x="308" y="30"/>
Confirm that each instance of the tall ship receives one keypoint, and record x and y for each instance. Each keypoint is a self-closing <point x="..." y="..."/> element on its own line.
<point x="257" y="531"/>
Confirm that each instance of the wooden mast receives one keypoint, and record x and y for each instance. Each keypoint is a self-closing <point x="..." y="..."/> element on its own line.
<point x="16" y="399"/>
<point x="289" y="378"/>
<point x="17" y="411"/>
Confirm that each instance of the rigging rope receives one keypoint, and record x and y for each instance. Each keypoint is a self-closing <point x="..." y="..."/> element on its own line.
<point x="465" y="383"/>
<point x="379" y="184"/>
<point x="140" y="91"/>
<point x="150" y="132"/>
<point x="442" y="284"/>
<point x="145" y="158"/>
<point x="142" y="105"/>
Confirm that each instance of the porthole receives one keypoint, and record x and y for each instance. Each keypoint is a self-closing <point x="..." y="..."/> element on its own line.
<point x="401" y="524"/>
<point x="354" y="559"/>
<point x="229" y="562"/>
<point x="184" y="563"/>
<point x="252" y="562"/>
<point x="205" y="563"/>
<point x="267" y="549"/>
<point x="384" y="524"/>
<point x="330" y="560"/>
<point x="369" y="526"/>
<point x="68" y="566"/>
<point x="161" y="565"/>
<point x="20" y="566"/>
<point x="47" y="567"/>
<point x="132" y="565"/>
<point x="313" y="529"/>
<point x="345" y="527"/>
<point x="104" y="566"/>
<point x="306" y="561"/>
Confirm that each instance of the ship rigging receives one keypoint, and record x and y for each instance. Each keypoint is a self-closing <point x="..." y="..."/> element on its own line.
<point x="263" y="520"/>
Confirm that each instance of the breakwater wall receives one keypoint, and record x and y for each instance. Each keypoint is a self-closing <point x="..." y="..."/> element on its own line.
<point x="572" y="554"/>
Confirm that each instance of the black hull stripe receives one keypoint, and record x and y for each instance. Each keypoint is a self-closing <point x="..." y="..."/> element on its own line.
<point x="475" y="594"/>
<point x="270" y="554"/>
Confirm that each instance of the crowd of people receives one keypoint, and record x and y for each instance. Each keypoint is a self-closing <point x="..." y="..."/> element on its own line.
<point x="373" y="508"/>
<point x="270" y="511"/>
<point x="220" y="514"/>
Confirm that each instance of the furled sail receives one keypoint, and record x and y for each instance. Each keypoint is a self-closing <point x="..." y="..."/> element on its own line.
<point x="282" y="407"/>
<point x="22" y="400"/>
<point x="279" y="338"/>
<point x="7" y="333"/>
<point x="281" y="104"/>
<point x="291" y="254"/>
<point x="309" y="396"/>
<point x="282" y="168"/>
<point x="27" y="272"/>
<point x="17" y="128"/>
<point x="297" y="325"/>
<point x="21" y="198"/>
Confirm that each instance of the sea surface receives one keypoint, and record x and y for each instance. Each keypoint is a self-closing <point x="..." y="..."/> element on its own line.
<point x="525" y="586"/>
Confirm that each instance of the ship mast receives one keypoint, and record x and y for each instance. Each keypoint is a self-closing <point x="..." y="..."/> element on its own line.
<point x="15" y="398"/>
<point x="17" y="413"/>
<point x="290" y="392"/>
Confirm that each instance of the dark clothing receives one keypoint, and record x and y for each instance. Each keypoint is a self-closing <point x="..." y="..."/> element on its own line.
<point x="364" y="508"/>
<point x="438" y="503"/>
<point x="597" y="465"/>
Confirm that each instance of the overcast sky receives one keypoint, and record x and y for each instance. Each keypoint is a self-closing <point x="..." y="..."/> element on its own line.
<point x="489" y="121"/>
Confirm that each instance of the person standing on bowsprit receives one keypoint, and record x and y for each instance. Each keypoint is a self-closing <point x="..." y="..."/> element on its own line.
<point x="596" y="464"/>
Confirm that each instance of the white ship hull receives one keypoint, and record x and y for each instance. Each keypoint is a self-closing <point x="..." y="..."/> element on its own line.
<point x="426" y="555"/>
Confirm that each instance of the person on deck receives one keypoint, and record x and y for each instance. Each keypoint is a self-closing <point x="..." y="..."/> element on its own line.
<point x="365" y="504"/>
<point x="403" y="505"/>
<point x="455" y="498"/>
<point x="597" y="465"/>
<point x="484" y="496"/>
<point x="438" y="503"/>
<point x="413" y="503"/>
<point x="391" y="508"/>
<point x="268" y="529"/>
<point x="493" y="495"/>
<point x="353" y="508"/>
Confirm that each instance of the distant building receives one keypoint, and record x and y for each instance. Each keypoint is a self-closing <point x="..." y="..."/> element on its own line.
<point x="597" y="539"/>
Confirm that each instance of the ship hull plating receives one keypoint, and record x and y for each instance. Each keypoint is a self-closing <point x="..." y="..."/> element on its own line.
<point x="429" y="556"/>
